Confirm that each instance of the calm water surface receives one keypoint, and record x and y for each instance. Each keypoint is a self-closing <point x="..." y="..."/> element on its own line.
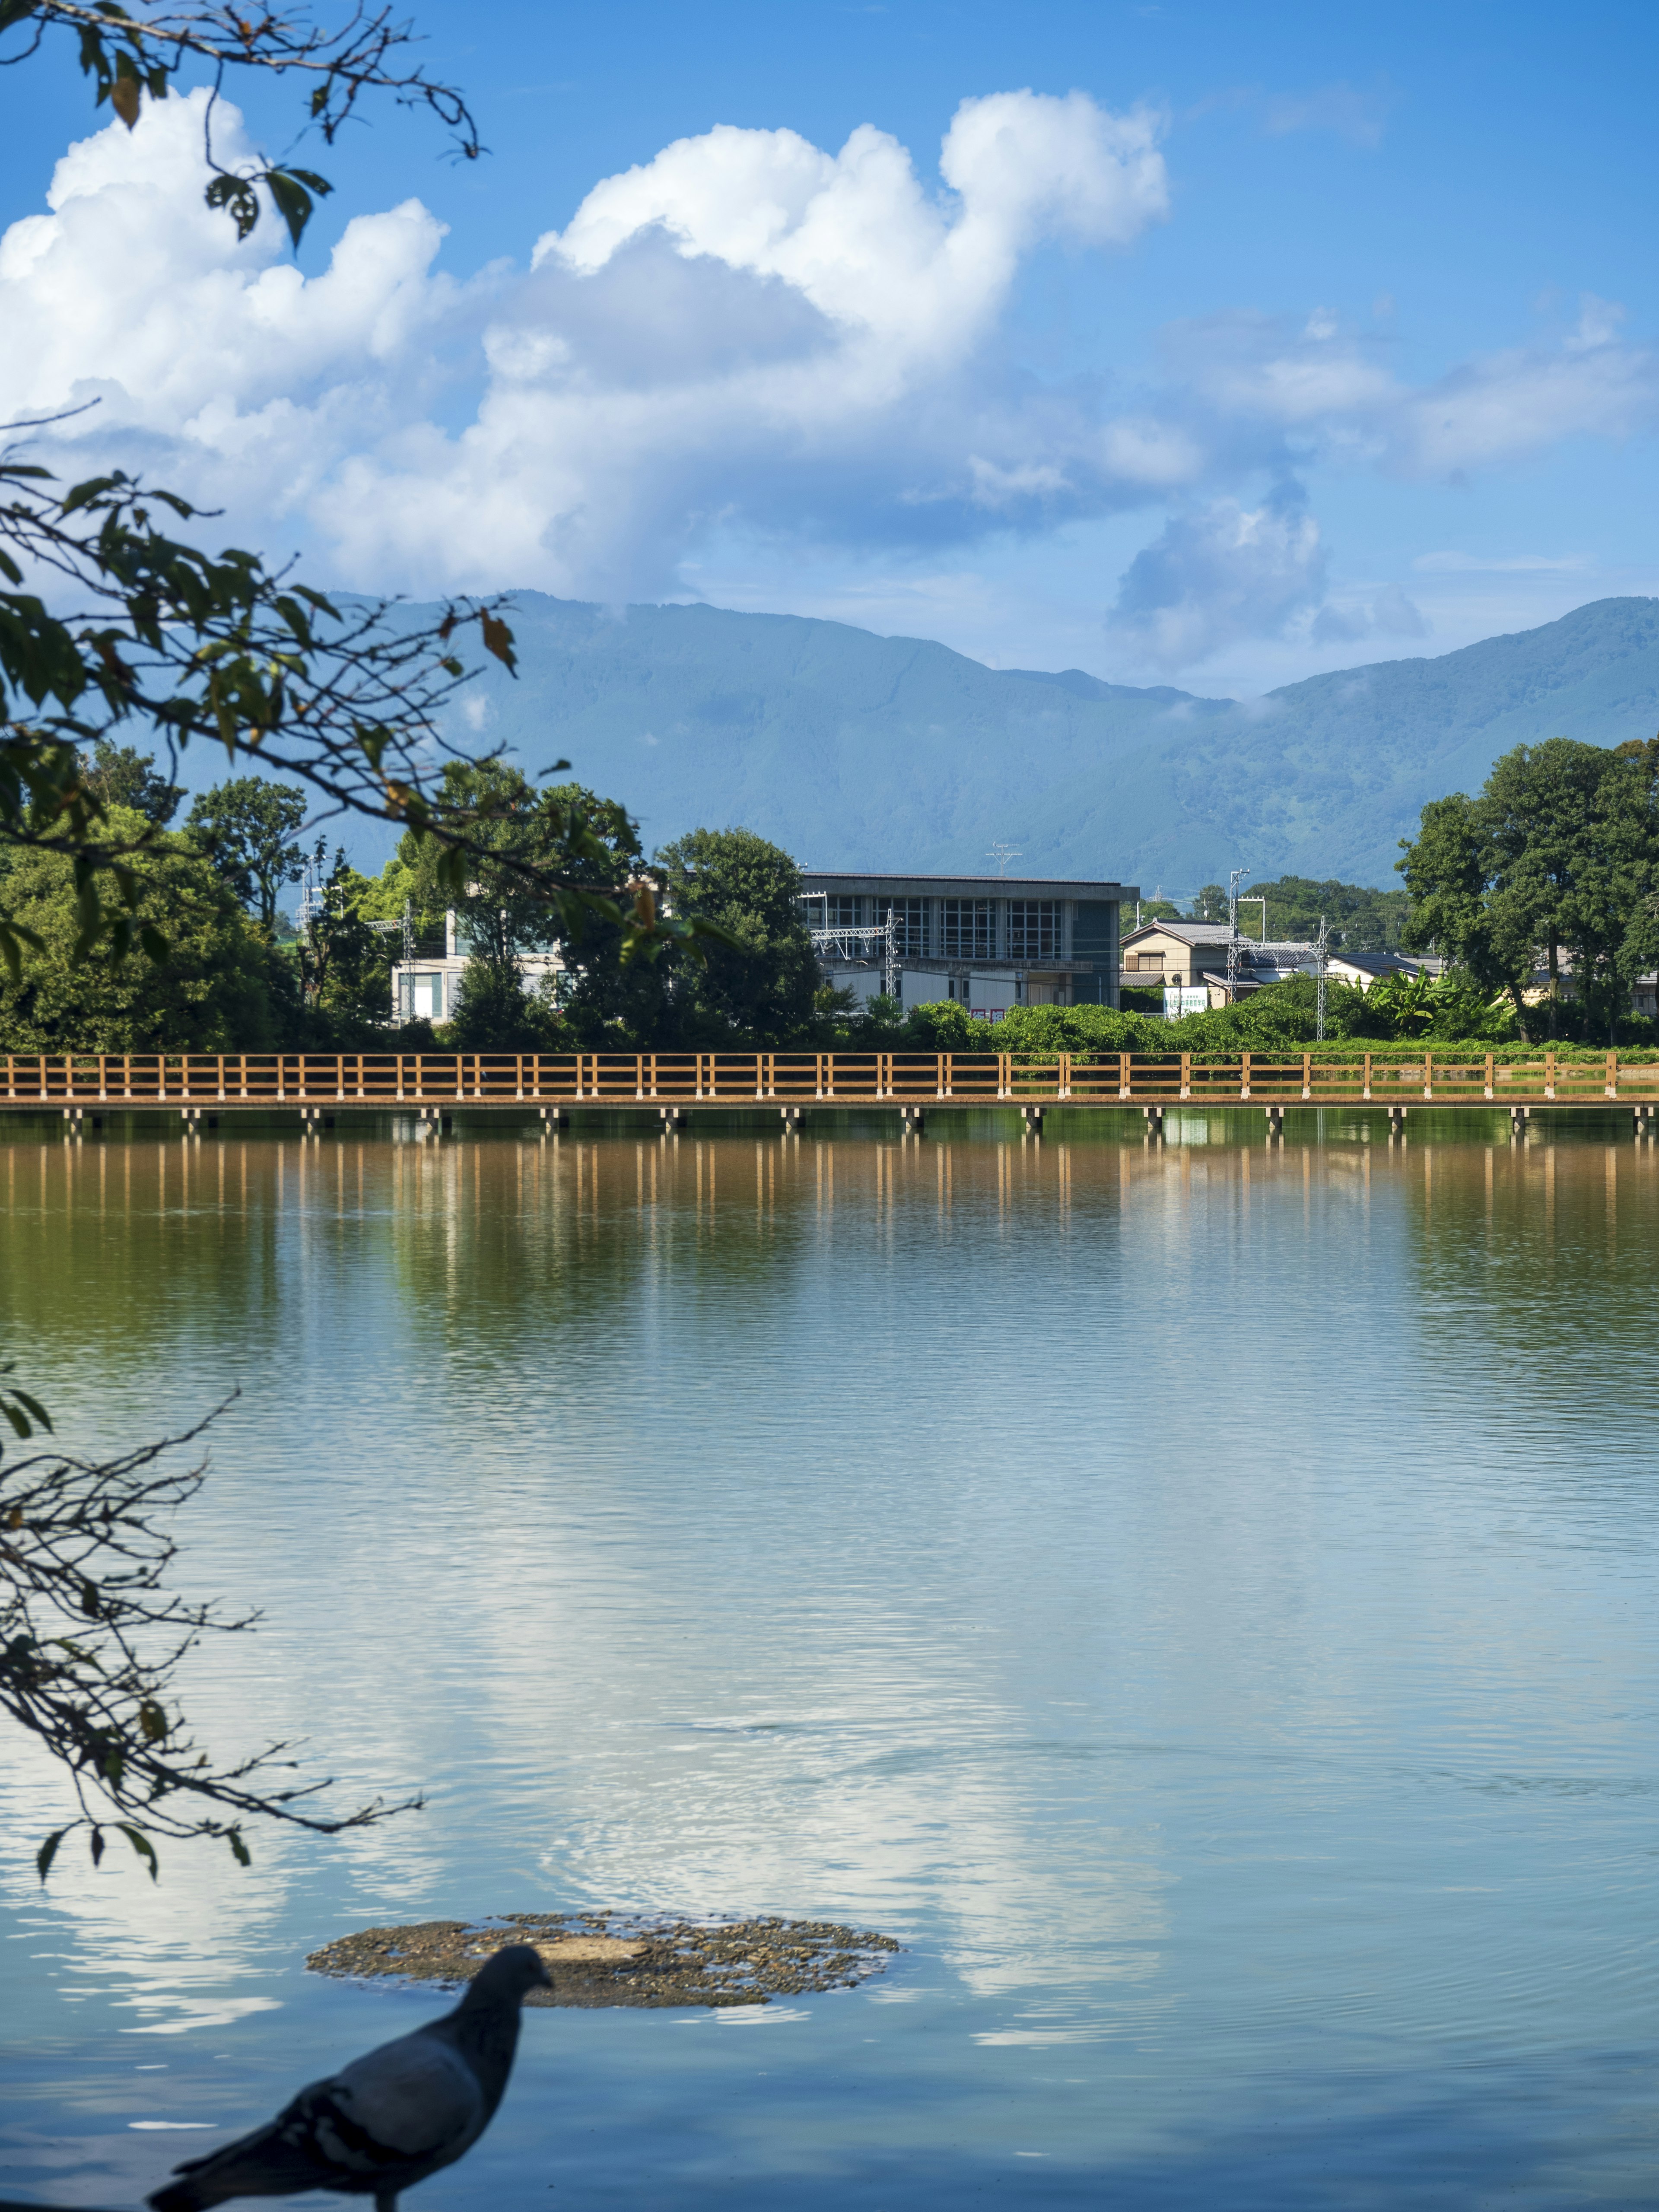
<point x="1202" y="1600"/>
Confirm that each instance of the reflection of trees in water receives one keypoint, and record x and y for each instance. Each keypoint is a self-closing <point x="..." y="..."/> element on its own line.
<point x="1533" y="1262"/>
<point x="110" y="1250"/>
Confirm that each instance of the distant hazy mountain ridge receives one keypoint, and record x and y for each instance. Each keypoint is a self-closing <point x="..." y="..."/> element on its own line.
<point x="853" y="750"/>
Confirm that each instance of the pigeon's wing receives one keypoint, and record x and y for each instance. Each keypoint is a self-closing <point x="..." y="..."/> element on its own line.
<point x="412" y="2100"/>
<point x="412" y="2104"/>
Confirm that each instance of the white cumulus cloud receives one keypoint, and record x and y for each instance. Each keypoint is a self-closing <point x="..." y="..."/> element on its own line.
<point x="747" y="328"/>
<point x="1224" y="574"/>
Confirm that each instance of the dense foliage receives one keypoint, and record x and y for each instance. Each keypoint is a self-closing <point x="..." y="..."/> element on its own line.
<point x="221" y="990"/>
<point x="1556" y="861"/>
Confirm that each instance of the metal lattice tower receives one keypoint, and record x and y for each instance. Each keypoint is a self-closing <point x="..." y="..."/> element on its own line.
<point x="1238" y="876"/>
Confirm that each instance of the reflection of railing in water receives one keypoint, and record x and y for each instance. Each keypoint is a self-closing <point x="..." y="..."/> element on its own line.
<point x="726" y="1080"/>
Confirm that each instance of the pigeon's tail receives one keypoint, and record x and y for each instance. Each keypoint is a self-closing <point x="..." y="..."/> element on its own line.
<point x="262" y="2164"/>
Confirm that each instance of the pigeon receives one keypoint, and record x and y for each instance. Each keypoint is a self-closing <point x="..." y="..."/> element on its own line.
<point x="388" y="2120"/>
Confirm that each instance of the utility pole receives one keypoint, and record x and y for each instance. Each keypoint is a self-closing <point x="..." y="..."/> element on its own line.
<point x="1238" y="876"/>
<point x="1323" y="944"/>
<point x="1002" y="854"/>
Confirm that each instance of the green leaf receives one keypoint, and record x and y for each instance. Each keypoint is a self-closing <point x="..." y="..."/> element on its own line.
<point x="142" y="1844"/>
<point x="237" y="195"/>
<point x="48" y="1852"/>
<point x="498" y="639"/>
<point x="125" y="93"/>
<point x="295" y="193"/>
<point x="97" y="1845"/>
<point x="239" y="1850"/>
<point x="157" y="951"/>
<point x="32" y="1406"/>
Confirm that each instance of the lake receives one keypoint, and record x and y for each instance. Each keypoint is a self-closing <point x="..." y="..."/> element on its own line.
<point x="1199" y="1598"/>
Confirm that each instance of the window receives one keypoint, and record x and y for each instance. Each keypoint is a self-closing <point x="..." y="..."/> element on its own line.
<point x="909" y="926"/>
<point x="1033" y="929"/>
<point x="968" y="929"/>
<point x="1142" y="962"/>
<point x="841" y="910"/>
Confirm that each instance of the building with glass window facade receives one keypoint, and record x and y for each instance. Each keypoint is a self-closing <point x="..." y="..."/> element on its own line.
<point x="990" y="942"/>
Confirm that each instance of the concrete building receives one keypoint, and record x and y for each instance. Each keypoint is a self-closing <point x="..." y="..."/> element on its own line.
<point x="988" y="942"/>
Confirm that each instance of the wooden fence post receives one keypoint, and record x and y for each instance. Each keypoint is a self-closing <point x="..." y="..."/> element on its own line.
<point x="1244" y="1077"/>
<point x="1613" y="1075"/>
<point x="1549" y="1072"/>
<point x="1428" y="1075"/>
<point x="1123" y="1081"/>
<point x="1186" y="1075"/>
<point x="1307" y="1075"/>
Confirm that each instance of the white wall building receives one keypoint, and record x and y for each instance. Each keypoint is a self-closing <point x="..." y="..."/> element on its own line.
<point x="427" y="989"/>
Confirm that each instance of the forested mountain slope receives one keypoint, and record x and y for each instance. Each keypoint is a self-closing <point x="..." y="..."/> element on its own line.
<point x="853" y="750"/>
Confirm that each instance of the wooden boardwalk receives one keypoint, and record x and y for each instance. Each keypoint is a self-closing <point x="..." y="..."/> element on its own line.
<point x="672" y="1086"/>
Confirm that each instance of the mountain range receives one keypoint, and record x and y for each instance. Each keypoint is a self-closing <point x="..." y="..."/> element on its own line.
<point x="855" y="751"/>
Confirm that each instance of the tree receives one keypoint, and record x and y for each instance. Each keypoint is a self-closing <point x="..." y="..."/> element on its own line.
<point x="124" y="776"/>
<point x="1360" y="920"/>
<point x="757" y="985"/>
<point x="1559" y="854"/>
<point x="345" y="966"/>
<point x="212" y="994"/>
<point x="247" y="829"/>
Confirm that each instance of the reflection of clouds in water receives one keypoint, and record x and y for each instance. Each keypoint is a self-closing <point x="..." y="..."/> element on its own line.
<point x="641" y="1661"/>
<point x="172" y="1948"/>
<point x="188" y="2012"/>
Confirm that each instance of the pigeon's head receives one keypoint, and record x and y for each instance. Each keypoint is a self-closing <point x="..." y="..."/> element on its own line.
<point x="510" y="1975"/>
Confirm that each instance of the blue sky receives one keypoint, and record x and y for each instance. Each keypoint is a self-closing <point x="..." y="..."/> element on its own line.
<point x="1258" y="340"/>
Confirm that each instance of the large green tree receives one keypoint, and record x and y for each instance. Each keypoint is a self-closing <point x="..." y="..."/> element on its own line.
<point x="212" y="994"/>
<point x="124" y="776"/>
<point x="249" y="829"/>
<point x="1558" y="854"/>
<point x="756" y="986"/>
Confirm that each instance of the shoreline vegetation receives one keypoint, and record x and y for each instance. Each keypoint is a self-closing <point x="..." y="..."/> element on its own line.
<point x="1541" y="897"/>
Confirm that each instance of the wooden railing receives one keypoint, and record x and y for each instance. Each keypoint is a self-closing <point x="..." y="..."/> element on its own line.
<point x="710" y="1078"/>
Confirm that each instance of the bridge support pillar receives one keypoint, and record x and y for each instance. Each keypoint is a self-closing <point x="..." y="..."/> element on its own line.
<point x="1275" y="1118"/>
<point x="673" y="1118"/>
<point x="1031" y="1117"/>
<point x="912" y="1121"/>
<point x="194" y="1117"/>
<point x="1519" y="1117"/>
<point x="313" y="1120"/>
<point x="1647" y="1120"/>
<point x="1397" y="1119"/>
<point x="432" y="1120"/>
<point x="1153" y="1117"/>
<point x="791" y="1118"/>
<point x="553" y="1119"/>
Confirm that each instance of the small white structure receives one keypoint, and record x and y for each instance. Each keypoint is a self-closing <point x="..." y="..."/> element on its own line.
<point x="429" y="989"/>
